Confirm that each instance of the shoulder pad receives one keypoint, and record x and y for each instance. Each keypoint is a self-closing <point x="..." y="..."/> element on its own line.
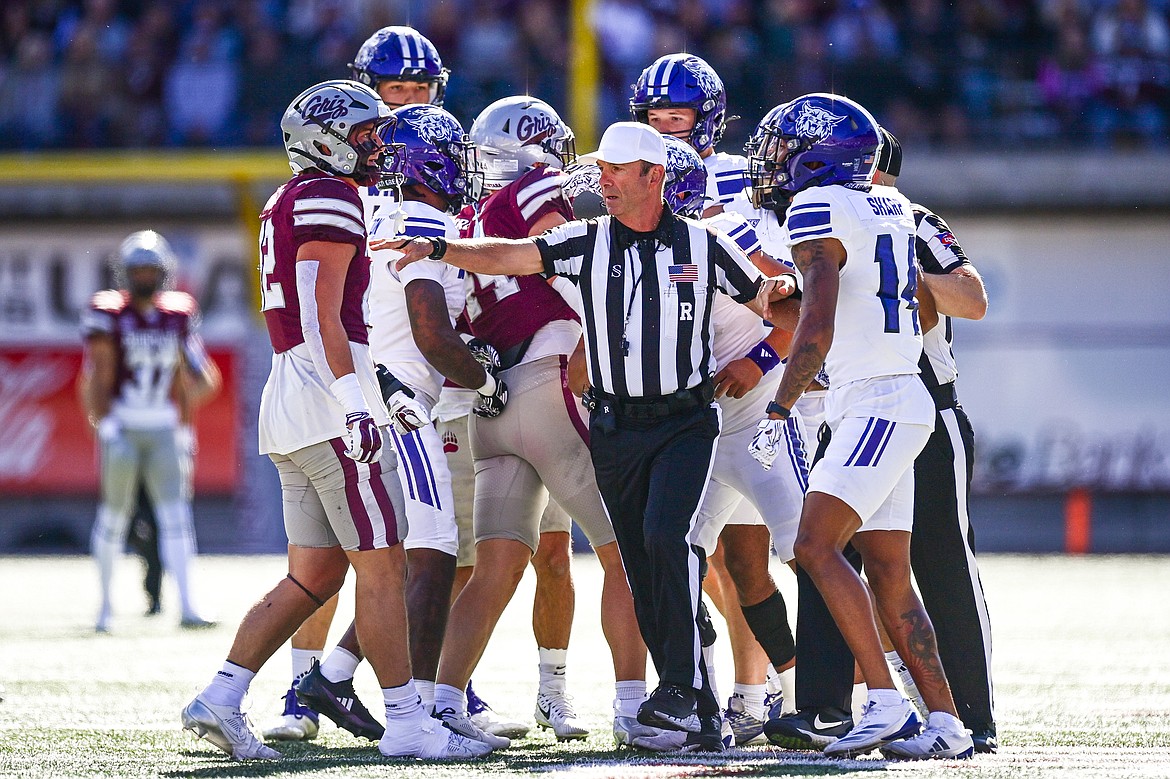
<point x="111" y="300"/>
<point x="175" y="302"/>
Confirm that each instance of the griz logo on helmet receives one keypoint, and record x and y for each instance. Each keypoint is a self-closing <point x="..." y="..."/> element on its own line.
<point x="534" y="129"/>
<point x="816" y="123"/>
<point x="321" y="109"/>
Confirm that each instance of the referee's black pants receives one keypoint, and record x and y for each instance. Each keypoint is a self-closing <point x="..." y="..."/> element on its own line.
<point x="942" y="556"/>
<point x="652" y="475"/>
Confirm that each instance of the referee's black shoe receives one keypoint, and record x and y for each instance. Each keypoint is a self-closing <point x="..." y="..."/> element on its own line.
<point x="709" y="738"/>
<point x="338" y="702"/>
<point x="812" y="729"/>
<point x="985" y="740"/>
<point x="671" y="707"/>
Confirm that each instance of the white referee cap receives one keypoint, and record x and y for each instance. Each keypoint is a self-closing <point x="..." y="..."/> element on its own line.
<point x="625" y="142"/>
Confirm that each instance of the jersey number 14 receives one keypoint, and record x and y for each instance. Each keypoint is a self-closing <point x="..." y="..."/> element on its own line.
<point x="888" y="284"/>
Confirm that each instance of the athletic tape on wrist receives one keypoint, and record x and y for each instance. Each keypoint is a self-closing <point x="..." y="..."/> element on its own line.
<point x="348" y="392"/>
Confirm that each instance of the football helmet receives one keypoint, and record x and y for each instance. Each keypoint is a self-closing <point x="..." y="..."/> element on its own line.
<point x="427" y="146"/>
<point x="684" y="81"/>
<point x="401" y="54"/>
<point x="831" y="130"/>
<point x="318" y="124"/>
<point x="686" y="178"/>
<point x="146" y="249"/>
<point x="515" y="134"/>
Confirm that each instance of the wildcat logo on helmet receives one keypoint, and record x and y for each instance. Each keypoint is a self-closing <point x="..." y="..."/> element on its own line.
<point x="706" y="78"/>
<point x="322" y="108"/>
<point x="816" y="123"/>
<point x="433" y="127"/>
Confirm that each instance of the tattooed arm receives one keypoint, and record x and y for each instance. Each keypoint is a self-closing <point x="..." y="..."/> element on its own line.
<point x="820" y="264"/>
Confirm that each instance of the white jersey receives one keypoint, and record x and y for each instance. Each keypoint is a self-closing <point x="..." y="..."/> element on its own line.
<point x="876" y="331"/>
<point x="768" y="227"/>
<point x="391" y="340"/>
<point x="737" y="328"/>
<point x="726" y="177"/>
<point x="377" y="202"/>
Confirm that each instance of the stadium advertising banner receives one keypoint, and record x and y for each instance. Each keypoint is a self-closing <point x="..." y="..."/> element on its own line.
<point x="46" y="280"/>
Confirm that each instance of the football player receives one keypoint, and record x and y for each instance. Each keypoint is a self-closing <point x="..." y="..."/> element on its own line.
<point x="142" y="354"/>
<point x="322" y="419"/>
<point x="854" y="245"/>
<point x="536" y="447"/>
<point x="682" y="96"/>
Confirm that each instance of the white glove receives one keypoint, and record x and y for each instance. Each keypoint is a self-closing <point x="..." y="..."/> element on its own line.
<point x="363" y="442"/>
<point x="406" y="413"/>
<point x="109" y="429"/>
<point x="185" y="440"/>
<point x="768" y="442"/>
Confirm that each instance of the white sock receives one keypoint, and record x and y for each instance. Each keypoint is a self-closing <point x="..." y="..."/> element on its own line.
<point x="302" y="662"/>
<point x="229" y="686"/>
<point x="426" y="691"/>
<point x="753" y="698"/>
<point x="788" y="689"/>
<point x="772" y="683"/>
<point x="552" y="669"/>
<point x="339" y="665"/>
<point x="176" y="548"/>
<point x="884" y="697"/>
<point x="402" y="702"/>
<point x="858" y="700"/>
<point x="709" y="659"/>
<point x="107" y="542"/>
<point x="630" y="695"/>
<point x="448" y="697"/>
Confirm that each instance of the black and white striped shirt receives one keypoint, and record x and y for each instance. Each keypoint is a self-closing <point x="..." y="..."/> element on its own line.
<point x="938" y="252"/>
<point x="648" y="325"/>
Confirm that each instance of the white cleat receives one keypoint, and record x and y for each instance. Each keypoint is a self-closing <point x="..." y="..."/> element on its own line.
<point x="879" y="726"/>
<point x="296" y="723"/>
<point x="227" y="728"/>
<point x="944" y="737"/>
<point x="463" y="726"/>
<point x="429" y="739"/>
<point x="493" y="724"/>
<point x="627" y="731"/>
<point x="554" y="710"/>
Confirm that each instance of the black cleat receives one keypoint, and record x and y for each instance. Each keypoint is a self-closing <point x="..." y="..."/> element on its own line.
<point x="809" y="729"/>
<point x="709" y="738"/>
<point x="985" y="740"/>
<point x="339" y="702"/>
<point x="670" y="707"/>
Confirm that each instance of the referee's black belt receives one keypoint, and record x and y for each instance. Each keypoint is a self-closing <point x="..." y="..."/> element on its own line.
<point x="659" y="406"/>
<point x="944" y="395"/>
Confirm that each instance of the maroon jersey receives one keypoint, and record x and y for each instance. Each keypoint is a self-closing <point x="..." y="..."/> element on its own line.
<point x="505" y="311"/>
<point x="148" y="347"/>
<point x="311" y="206"/>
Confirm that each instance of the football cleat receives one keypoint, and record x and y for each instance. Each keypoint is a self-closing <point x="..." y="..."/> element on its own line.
<point x="670" y="707"/>
<point x="196" y="622"/>
<point x="428" y="738"/>
<point x="713" y="736"/>
<point x="943" y="737"/>
<point x="227" y="728"/>
<point x="985" y="740"/>
<point x="554" y="710"/>
<point x="296" y="723"/>
<point x="744" y="725"/>
<point x="486" y="719"/>
<point x="879" y="726"/>
<point x="339" y="702"/>
<point x="811" y="729"/>
<point x="462" y="724"/>
<point x="773" y="705"/>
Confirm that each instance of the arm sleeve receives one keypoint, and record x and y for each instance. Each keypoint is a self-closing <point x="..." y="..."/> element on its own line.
<point x="936" y="247"/>
<point x="563" y="248"/>
<point x="194" y="350"/>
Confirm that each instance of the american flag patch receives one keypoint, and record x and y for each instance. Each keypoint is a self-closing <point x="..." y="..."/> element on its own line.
<point x="683" y="273"/>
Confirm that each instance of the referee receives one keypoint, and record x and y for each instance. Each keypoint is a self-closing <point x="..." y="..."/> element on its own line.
<point x="647" y="281"/>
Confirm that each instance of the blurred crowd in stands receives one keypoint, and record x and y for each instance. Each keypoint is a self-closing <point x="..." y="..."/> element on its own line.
<point x="980" y="73"/>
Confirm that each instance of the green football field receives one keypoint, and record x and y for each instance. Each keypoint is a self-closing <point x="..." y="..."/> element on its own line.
<point x="1082" y="661"/>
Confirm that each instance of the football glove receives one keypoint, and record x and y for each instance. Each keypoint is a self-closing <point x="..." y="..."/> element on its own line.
<point x="768" y="442"/>
<point x="484" y="353"/>
<point x="363" y="442"/>
<point x="406" y="413"/>
<point x="492" y="398"/>
<point x="109" y="429"/>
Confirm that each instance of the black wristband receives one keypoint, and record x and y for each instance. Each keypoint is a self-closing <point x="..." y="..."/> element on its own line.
<point x="776" y="408"/>
<point x="438" y="247"/>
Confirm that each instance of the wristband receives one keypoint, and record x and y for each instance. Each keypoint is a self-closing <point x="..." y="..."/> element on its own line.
<point x="776" y="408"/>
<point x="438" y="247"/>
<point x="489" y="386"/>
<point x="349" y="394"/>
<point x="764" y="356"/>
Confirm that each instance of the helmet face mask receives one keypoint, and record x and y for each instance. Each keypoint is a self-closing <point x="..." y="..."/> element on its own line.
<point x="426" y="146"/>
<point x="815" y="140"/>
<point x="401" y="54"/>
<point x="683" y="81"/>
<point x="517" y="134"/>
<point x="320" y="126"/>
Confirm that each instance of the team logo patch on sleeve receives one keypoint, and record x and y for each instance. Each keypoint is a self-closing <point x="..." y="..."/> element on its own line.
<point x="683" y="273"/>
<point x="946" y="238"/>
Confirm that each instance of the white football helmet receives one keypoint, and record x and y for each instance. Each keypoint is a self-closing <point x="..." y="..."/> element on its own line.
<point x="146" y="249"/>
<point x="319" y="123"/>
<point x="515" y="134"/>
